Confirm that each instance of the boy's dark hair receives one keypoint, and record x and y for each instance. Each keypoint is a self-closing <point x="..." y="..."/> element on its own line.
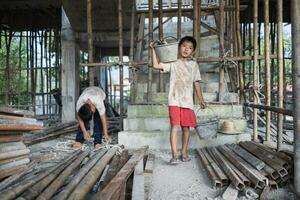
<point x="85" y="113"/>
<point x="188" y="39"/>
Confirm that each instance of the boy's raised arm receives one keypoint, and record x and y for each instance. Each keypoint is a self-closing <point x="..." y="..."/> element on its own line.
<point x="155" y="63"/>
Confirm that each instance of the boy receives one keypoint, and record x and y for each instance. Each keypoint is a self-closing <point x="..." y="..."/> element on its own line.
<point x="184" y="74"/>
<point x="90" y="104"/>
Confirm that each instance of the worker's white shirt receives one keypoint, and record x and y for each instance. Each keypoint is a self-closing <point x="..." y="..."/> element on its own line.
<point x="183" y="74"/>
<point x="96" y="95"/>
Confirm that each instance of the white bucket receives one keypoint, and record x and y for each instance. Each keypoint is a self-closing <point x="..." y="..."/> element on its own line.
<point x="166" y="50"/>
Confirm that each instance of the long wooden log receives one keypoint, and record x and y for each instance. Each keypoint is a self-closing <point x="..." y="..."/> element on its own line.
<point x="59" y="181"/>
<point x="216" y="181"/>
<point x="15" y="163"/>
<point x="16" y="112"/>
<point x="11" y="171"/>
<point x="247" y="170"/>
<point x="86" y="184"/>
<point x="114" y="185"/>
<point x="238" y="183"/>
<point x="250" y="158"/>
<point x="10" y="138"/>
<point x="271" y="108"/>
<point x="79" y="176"/>
<point x="15" y="190"/>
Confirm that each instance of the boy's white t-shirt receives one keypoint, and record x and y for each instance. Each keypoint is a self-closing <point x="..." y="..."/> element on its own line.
<point x="183" y="74"/>
<point x="96" y="95"/>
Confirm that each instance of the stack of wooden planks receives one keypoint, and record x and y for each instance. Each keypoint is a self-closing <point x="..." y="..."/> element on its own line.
<point x="248" y="164"/>
<point x="13" y="152"/>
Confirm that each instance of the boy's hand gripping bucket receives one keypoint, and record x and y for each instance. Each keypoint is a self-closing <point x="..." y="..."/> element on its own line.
<point x="167" y="49"/>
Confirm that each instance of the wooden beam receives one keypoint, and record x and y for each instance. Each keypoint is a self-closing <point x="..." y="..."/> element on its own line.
<point x="138" y="187"/>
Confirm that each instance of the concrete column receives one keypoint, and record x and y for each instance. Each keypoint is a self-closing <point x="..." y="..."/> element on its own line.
<point x="295" y="6"/>
<point x="69" y="70"/>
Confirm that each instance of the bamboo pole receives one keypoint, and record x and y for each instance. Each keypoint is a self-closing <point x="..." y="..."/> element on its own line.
<point x="271" y="108"/>
<point x="90" y="40"/>
<point x="267" y="67"/>
<point x="120" y="24"/>
<point x="79" y="176"/>
<point x="59" y="181"/>
<point x="196" y="24"/>
<point x="161" y="36"/>
<point x="255" y="66"/>
<point x="280" y="72"/>
<point x="150" y="38"/>
<point x="86" y="184"/>
<point x="295" y="7"/>
<point x="239" y="49"/>
<point x="221" y="50"/>
<point x="133" y="75"/>
<point x="179" y="15"/>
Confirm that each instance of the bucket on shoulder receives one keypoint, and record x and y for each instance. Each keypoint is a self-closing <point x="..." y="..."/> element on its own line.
<point x="167" y="49"/>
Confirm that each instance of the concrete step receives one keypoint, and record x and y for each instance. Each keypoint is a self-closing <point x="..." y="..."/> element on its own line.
<point x="163" y="124"/>
<point x="161" y="111"/>
<point x="160" y="139"/>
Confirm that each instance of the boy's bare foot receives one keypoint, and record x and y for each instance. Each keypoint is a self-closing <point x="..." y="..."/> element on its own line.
<point x="97" y="146"/>
<point x="77" y="145"/>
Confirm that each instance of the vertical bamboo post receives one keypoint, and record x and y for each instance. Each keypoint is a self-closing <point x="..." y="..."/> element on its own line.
<point x="280" y="72"/>
<point x="133" y="84"/>
<point x="179" y="15"/>
<point x="90" y="40"/>
<point x="295" y="7"/>
<point x="196" y="24"/>
<point x="221" y="49"/>
<point x="150" y="38"/>
<point x="239" y="48"/>
<point x="161" y="35"/>
<point x="120" y="24"/>
<point x="267" y="67"/>
<point x="255" y="66"/>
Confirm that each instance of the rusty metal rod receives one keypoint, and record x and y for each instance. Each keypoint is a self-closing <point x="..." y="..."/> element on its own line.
<point x="238" y="183"/>
<point x="216" y="181"/>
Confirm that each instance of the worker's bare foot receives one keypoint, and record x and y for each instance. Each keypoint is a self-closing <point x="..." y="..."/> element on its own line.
<point x="98" y="146"/>
<point x="77" y="145"/>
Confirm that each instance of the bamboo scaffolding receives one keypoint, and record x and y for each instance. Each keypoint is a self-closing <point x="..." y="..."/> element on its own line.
<point x="161" y="36"/>
<point x="255" y="66"/>
<point x="150" y="38"/>
<point x="90" y="40"/>
<point x="267" y="67"/>
<point x="271" y="108"/>
<point x="280" y="72"/>
<point x="221" y="49"/>
<point x="133" y="74"/>
<point x="120" y="24"/>
<point x="179" y="15"/>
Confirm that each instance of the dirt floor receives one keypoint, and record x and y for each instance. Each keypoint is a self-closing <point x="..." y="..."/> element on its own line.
<point x="189" y="181"/>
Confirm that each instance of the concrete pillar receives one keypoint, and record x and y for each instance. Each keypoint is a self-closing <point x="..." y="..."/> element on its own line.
<point x="295" y="6"/>
<point x="69" y="70"/>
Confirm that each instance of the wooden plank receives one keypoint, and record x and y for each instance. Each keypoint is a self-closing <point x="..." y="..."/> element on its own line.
<point x="138" y="188"/>
<point x="10" y="138"/>
<point x="115" y="184"/>
<point x="150" y="163"/>
<point x="13" y="154"/>
<point x="19" y="127"/>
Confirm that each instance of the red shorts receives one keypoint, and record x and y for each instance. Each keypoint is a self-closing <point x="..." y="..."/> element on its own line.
<point x="182" y="116"/>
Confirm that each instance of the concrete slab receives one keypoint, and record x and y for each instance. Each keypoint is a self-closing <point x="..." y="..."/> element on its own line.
<point x="213" y="110"/>
<point x="160" y="139"/>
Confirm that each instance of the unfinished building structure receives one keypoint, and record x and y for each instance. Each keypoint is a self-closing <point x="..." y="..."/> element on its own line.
<point x="51" y="50"/>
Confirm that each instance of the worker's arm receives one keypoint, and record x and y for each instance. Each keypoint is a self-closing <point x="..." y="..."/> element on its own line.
<point x="155" y="63"/>
<point x="104" y="126"/>
<point x="86" y="134"/>
<point x="198" y="90"/>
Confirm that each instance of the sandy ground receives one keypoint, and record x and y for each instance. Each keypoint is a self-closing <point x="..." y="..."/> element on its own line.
<point x="190" y="181"/>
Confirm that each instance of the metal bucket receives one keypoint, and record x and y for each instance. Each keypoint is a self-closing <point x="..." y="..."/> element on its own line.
<point x="207" y="130"/>
<point x="167" y="49"/>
